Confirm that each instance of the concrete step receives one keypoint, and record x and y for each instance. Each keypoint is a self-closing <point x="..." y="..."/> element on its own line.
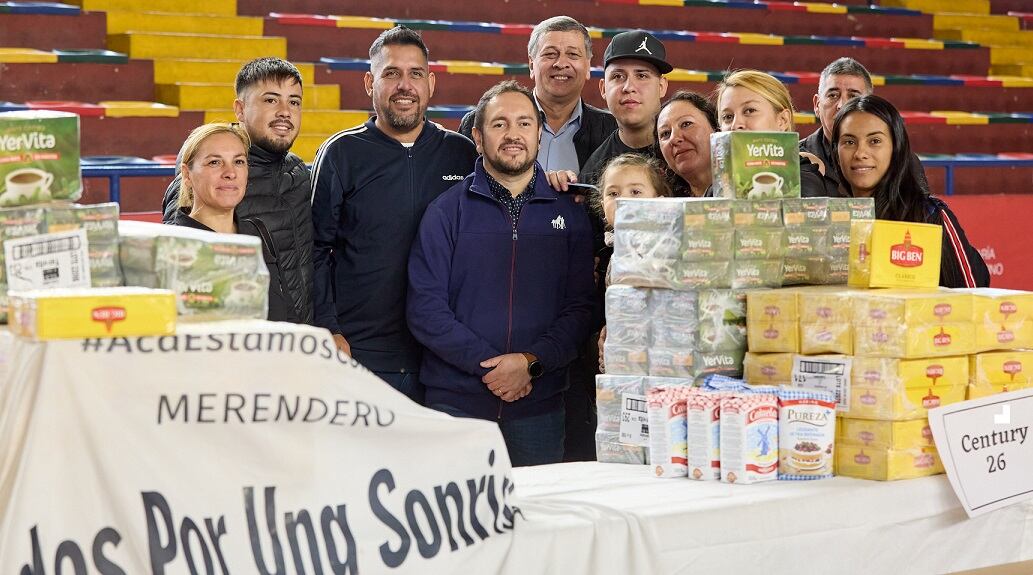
<point x="1010" y="55"/>
<point x="172" y="70"/>
<point x="122" y="22"/>
<point x="955" y="19"/>
<point x="972" y="6"/>
<point x="990" y="37"/>
<point x="196" y="96"/>
<point x="223" y="7"/>
<point x="176" y="45"/>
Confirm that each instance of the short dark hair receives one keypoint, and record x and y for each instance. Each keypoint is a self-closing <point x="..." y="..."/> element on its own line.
<point x="844" y="67"/>
<point x="397" y="36"/>
<point x="261" y="69"/>
<point x="699" y="101"/>
<point x="496" y="90"/>
<point x="557" y="24"/>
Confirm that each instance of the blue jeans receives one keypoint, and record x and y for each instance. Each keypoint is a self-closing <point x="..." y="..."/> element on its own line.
<point x="407" y="383"/>
<point x="534" y="440"/>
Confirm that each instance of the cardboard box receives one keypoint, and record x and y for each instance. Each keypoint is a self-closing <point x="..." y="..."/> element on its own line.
<point x="773" y="336"/>
<point x="95" y="312"/>
<point x="887" y="464"/>
<point x="894" y="254"/>
<point x="899" y="405"/>
<point x="904" y="341"/>
<point x="911" y="307"/>
<point x="755" y="165"/>
<point x="885" y="434"/>
<point x="39" y="157"/>
<point x="767" y="368"/>
<point x="1011" y="368"/>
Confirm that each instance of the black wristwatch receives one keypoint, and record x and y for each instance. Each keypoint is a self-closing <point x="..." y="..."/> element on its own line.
<point x="534" y="367"/>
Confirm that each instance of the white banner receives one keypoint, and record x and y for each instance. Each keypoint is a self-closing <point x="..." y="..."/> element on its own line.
<point x="246" y="447"/>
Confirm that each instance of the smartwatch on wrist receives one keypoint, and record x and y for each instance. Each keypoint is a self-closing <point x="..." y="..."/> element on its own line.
<point x="534" y="367"/>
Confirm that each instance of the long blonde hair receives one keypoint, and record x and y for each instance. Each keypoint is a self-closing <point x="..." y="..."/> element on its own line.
<point x="768" y="86"/>
<point x="193" y="144"/>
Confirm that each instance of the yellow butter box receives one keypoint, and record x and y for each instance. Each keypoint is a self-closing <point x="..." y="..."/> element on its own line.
<point x="997" y="305"/>
<point x="904" y="341"/>
<point x="886" y="434"/>
<point x="911" y="307"/>
<point x="1011" y="368"/>
<point x="894" y="254"/>
<point x="773" y="336"/>
<point x="887" y="464"/>
<point x="768" y="368"/>
<point x="95" y="312"/>
<point x="827" y="303"/>
<point x="977" y="391"/>
<point x="824" y="337"/>
<point x="891" y="373"/>
<point x="1017" y="334"/>
<point x="901" y="404"/>
<point x="772" y="305"/>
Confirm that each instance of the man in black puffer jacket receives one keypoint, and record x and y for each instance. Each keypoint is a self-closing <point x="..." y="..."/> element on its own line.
<point x="278" y="191"/>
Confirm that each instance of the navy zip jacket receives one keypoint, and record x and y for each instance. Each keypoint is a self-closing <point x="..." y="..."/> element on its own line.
<point x="478" y="289"/>
<point x="369" y="193"/>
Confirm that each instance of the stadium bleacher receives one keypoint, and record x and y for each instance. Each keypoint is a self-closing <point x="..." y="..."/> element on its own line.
<point x="143" y="73"/>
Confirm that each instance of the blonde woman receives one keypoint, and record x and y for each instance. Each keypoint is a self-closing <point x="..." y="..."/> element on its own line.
<point x="755" y="101"/>
<point x="214" y="168"/>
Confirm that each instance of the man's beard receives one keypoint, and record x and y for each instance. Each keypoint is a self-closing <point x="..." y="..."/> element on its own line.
<point x="402" y="123"/>
<point x="272" y="146"/>
<point x="510" y="168"/>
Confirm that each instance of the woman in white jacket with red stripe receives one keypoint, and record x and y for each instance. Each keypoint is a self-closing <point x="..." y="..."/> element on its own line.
<point x="872" y="153"/>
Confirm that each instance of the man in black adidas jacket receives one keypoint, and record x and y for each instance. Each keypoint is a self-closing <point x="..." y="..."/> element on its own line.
<point x="371" y="185"/>
<point x="559" y="54"/>
<point x="278" y="192"/>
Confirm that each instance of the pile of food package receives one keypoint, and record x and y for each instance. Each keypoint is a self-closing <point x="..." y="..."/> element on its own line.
<point x="214" y="276"/>
<point x="906" y="351"/>
<point x="817" y="246"/>
<point x="100" y="222"/>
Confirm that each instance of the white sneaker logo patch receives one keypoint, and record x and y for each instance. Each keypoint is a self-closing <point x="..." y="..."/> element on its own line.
<point x="559" y="223"/>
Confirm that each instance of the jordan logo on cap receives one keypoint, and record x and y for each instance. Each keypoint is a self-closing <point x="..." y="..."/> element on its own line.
<point x="642" y="46"/>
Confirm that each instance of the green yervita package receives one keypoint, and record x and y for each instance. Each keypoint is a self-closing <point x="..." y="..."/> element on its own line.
<point x="755" y="165"/>
<point x="39" y="157"/>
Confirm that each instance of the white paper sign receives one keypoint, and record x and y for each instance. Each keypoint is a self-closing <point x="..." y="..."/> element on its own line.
<point x="59" y="260"/>
<point x="827" y="373"/>
<point x="634" y="420"/>
<point x="987" y="449"/>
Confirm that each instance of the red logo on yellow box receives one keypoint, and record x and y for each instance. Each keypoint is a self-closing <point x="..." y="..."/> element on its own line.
<point x="907" y="255"/>
<point x="108" y="315"/>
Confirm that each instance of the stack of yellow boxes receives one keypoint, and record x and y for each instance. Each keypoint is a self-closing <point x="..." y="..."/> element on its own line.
<point x="910" y="350"/>
<point x="1003" y="323"/>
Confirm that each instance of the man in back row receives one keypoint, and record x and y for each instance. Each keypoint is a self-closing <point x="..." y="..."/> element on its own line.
<point x="559" y="55"/>
<point x="370" y="187"/>
<point x="841" y="81"/>
<point x="268" y="105"/>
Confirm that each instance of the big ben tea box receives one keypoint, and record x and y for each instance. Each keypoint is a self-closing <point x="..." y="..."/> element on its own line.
<point x="39" y="157"/>
<point x="755" y="165"/>
<point x="894" y="254"/>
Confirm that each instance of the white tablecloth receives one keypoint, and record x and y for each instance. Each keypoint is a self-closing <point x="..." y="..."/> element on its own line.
<point x="604" y="518"/>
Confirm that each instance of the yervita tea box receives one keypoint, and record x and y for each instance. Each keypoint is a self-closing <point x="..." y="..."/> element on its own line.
<point x="39" y="157"/>
<point x="755" y="165"/>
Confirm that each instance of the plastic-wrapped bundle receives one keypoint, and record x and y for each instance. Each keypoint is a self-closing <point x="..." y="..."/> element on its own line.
<point x="215" y="276"/>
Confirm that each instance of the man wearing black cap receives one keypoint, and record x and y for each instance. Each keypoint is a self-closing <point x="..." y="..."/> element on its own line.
<point x="633" y="84"/>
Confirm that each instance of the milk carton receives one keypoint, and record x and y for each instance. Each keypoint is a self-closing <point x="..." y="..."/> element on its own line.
<point x="749" y="438"/>
<point x="39" y="157"/>
<point x="755" y="165"/>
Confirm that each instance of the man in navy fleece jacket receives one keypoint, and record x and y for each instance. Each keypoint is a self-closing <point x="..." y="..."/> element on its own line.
<point x="500" y="285"/>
